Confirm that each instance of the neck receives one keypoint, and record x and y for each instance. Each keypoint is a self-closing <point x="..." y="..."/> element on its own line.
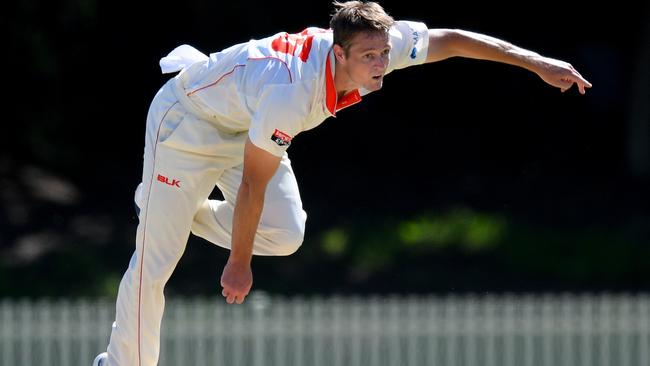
<point x="342" y="81"/>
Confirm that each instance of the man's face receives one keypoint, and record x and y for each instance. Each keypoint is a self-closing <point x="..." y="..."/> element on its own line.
<point x="367" y="59"/>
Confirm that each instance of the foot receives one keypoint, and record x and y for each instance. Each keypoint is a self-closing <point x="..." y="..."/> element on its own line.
<point x="100" y="360"/>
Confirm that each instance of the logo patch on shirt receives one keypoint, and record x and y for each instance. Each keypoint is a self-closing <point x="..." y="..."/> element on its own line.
<point x="416" y="38"/>
<point x="281" y="138"/>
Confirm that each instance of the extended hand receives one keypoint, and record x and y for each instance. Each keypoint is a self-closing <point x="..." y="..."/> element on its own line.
<point x="561" y="74"/>
<point x="236" y="280"/>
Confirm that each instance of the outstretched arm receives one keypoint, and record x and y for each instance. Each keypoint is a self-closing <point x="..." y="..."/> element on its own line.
<point x="446" y="43"/>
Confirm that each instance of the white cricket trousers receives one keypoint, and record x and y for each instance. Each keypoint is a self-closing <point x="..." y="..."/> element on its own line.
<point x="185" y="156"/>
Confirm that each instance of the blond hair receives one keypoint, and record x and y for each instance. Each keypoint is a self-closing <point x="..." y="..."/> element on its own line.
<point x="353" y="17"/>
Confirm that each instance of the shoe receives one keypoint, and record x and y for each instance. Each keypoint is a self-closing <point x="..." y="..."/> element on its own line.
<point x="100" y="360"/>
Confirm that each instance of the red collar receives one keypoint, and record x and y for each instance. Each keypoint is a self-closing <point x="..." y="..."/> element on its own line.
<point x="331" y="102"/>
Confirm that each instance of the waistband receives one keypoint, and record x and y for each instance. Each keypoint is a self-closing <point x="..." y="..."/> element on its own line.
<point x="176" y="86"/>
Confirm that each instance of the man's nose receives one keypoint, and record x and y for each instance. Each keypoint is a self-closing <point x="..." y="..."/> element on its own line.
<point x="382" y="63"/>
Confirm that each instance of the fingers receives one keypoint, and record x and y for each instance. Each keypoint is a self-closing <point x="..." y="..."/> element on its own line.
<point x="227" y="295"/>
<point x="233" y="296"/>
<point x="582" y="83"/>
<point x="236" y="282"/>
<point x="567" y="75"/>
<point x="579" y="80"/>
<point x="567" y="82"/>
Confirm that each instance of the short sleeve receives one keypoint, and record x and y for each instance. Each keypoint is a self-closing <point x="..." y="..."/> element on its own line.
<point x="410" y="42"/>
<point x="279" y="117"/>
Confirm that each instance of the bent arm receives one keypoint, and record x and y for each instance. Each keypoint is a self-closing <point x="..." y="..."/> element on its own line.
<point x="259" y="168"/>
<point x="446" y="43"/>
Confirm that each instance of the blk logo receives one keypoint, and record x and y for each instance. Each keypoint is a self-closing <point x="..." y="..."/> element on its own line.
<point x="171" y="182"/>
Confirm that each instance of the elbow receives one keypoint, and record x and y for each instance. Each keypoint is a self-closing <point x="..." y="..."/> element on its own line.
<point x="443" y="44"/>
<point x="451" y="41"/>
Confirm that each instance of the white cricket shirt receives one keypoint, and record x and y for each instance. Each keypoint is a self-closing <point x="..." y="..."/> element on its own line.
<point x="279" y="86"/>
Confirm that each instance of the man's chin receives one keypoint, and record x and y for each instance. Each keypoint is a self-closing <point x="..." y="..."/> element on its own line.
<point x="374" y="86"/>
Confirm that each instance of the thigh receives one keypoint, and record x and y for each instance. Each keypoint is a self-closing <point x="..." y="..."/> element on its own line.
<point x="174" y="185"/>
<point x="178" y="184"/>
<point x="282" y="203"/>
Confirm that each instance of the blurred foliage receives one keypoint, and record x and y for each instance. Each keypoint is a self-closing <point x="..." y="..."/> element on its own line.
<point x="335" y="242"/>
<point x="458" y="249"/>
<point x="470" y="230"/>
<point x="575" y="257"/>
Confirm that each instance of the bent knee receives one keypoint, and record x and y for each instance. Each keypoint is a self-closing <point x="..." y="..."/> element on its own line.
<point x="288" y="241"/>
<point x="285" y="234"/>
<point x="281" y="241"/>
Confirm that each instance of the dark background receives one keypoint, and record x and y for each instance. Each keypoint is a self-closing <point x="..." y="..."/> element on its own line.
<point x="458" y="176"/>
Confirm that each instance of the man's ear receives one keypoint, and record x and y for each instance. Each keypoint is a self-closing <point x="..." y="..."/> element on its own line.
<point x="339" y="53"/>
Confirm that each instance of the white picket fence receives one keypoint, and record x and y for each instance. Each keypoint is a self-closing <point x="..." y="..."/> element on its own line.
<point x="550" y="330"/>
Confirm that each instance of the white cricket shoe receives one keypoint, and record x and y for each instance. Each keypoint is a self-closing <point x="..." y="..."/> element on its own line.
<point x="100" y="360"/>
